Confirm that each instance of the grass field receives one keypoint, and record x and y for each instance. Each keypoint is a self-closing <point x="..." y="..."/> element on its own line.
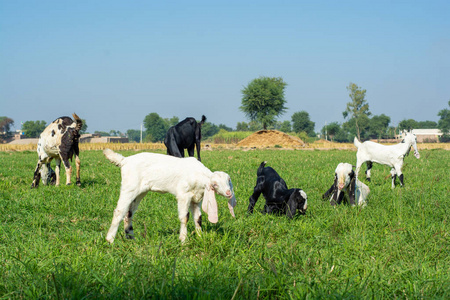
<point x="52" y="239"/>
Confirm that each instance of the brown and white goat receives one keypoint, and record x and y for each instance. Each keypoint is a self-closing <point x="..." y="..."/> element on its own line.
<point x="58" y="141"/>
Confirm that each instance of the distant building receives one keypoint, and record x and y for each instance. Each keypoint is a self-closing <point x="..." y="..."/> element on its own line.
<point x="425" y="135"/>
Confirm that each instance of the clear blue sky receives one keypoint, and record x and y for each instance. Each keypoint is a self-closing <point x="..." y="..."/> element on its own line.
<point x="114" y="62"/>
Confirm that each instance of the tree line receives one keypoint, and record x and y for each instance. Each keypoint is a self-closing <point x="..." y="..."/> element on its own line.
<point x="263" y="102"/>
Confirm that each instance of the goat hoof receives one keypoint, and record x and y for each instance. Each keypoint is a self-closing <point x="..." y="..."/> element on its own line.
<point x="368" y="179"/>
<point x="79" y="183"/>
<point x="69" y="183"/>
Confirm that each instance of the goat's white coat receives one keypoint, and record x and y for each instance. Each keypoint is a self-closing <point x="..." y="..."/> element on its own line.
<point x="185" y="178"/>
<point x="391" y="155"/>
<point x="342" y="172"/>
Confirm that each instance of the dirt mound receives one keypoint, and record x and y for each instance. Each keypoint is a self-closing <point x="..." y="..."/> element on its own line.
<point x="270" y="138"/>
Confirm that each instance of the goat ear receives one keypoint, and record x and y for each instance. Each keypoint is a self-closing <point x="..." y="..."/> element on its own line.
<point x="291" y="206"/>
<point x="209" y="204"/>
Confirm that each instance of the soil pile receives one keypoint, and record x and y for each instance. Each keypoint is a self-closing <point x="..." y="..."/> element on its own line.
<point x="270" y="138"/>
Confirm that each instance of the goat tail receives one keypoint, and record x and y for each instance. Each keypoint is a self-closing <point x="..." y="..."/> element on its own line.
<point x="261" y="167"/>
<point x="356" y="142"/>
<point x="203" y="120"/>
<point x="78" y="121"/>
<point x="114" y="157"/>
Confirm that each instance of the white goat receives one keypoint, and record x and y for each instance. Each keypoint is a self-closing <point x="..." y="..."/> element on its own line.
<point x="347" y="185"/>
<point x="391" y="156"/>
<point x="58" y="141"/>
<point x="185" y="178"/>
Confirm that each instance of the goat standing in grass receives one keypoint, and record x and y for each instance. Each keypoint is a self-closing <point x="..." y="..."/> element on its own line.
<point x="391" y="156"/>
<point x="185" y="135"/>
<point x="186" y="178"/>
<point x="58" y="141"/>
<point x="347" y="187"/>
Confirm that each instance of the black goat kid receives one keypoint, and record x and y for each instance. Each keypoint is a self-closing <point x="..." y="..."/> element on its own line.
<point x="279" y="199"/>
<point x="185" y="135"/>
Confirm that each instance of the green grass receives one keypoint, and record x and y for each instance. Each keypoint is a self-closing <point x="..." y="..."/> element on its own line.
<point x="52" y="239"/>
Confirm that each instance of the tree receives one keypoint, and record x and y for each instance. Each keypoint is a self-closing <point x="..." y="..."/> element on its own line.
<point x="156" y="127"/>
<point x="301" y="122"/>
<point x="32" y="129"/>
<point x="135" y="135"/>
<point x="172" y="121"/>
<point x="378" y="126"/>
<point x="83" y="127"/>
<point x="286" y="126"/>
<point x="331" y="129"/>
<point x="241" y="126"/>
<point x="5" y="127"/>
<point x="263" y="100"/>
<point x="408" y="124"/>
<point x="444" y="124"/>
<point x="358" y="108"/>
<point x="225" y="127"/>
<point x="209" y="129"/>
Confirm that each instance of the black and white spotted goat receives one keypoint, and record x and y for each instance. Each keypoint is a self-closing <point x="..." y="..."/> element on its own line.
<point x="392" y="156"/>
<point x="59" y="141"/>
<point x="279" y="199"/>
<point x="346" y="187"/>
<point x="192" y="184"/>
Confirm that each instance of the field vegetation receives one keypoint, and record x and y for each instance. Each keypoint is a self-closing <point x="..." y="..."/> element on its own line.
<point x="52" y="239"/>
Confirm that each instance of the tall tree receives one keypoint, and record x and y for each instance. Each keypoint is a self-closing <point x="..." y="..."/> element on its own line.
<point x="358" y="108"/>
<point x="156" y="127"/>
<point x="263" y="100"/>
<point x="301" y="122"/>
<point x="32" y="129"/>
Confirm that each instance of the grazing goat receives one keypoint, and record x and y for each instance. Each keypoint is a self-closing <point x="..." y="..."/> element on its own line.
<point x="391" y="156"/>
<point x="58" y="141"/>
<point x="185" y="135"/>
<point x="279" y="199"/>
<point x="185" y="178"/>
<point x="347" y="187"/>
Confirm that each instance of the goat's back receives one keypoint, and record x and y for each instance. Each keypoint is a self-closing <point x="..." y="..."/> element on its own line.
<point x="164" y="173"/>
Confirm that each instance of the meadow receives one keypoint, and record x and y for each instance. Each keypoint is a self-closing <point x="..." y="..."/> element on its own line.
<point x="52" y="239"/>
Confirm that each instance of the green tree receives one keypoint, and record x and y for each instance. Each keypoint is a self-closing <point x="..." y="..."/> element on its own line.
<point x="286" y="126"/>
<point x="225" y="127"/>
<point x="172" y="121"/>
<point x="84" y="127"/>
<point x="427" y="124"/>
<point x="32" y="129"/>
<point x="301" y="122"/>
<point x="358" y="108"/>
<point x="135" y="135"/>
<point x="5" y="127"/>
<point x="263" y="100"/>
<point x="331" y="129"/>
<point x="254" y="126"/>
<point x="378" y="126"/>
<point x="102" y="133"/>
<point x="242" y="126"/>
<point x="155" y="127"/>
<point x="408" y="124"/>
<point x="444" y="124"/>
<point x="209" y="129"/>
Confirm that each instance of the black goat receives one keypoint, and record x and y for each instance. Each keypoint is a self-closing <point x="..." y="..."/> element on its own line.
<point x="185" y="135"/>
<point x="279" y="199"/>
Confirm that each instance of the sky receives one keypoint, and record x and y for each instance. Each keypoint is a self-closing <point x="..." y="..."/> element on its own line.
<point x="114" y="62"/>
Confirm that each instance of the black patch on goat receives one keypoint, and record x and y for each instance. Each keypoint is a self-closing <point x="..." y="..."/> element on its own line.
<point x="334" y="191"/>
<point x="185" y="135"/>
<point x="279" y="199"/>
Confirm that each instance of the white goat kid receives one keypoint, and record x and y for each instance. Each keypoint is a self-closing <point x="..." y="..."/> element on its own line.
<point x="391" y="156"/>
<point x="58" y="141"/>
<point x="185" y="178"/>
<point x="346" y="187"/>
